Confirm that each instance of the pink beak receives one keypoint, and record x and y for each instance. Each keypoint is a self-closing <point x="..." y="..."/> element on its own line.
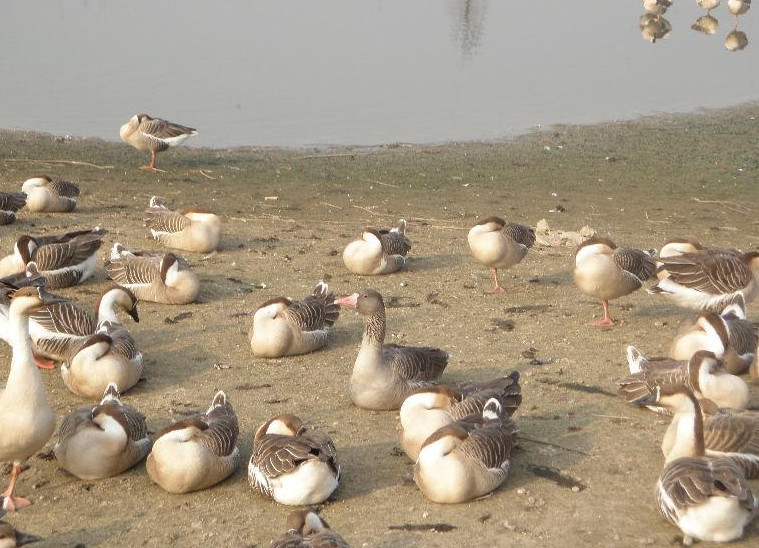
<point x="349" y="301"/>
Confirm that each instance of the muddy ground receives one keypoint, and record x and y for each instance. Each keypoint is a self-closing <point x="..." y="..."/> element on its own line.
<point x="289" y="213"/>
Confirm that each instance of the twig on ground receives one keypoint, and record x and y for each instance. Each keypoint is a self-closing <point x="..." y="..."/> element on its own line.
<point x="206" y="175"/>
<point x="72" y="162"/>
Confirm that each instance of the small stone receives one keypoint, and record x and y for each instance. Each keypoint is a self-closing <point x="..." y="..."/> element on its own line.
<point x="521" y="491"/>
<point x="575" y="489"/>
<point x="425" y="515"/>
<point x="508" y="525"/>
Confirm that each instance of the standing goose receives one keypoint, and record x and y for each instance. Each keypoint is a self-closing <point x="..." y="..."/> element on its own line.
<point x="282" y="327"/>
<point x="605" y="271"/>
<point x="10" y="537"/>
<point x="378" y="251"/>
<point x="468" y="458"/>
<point x="26" y="419"/>
<point x="104" y="440"/>
<point x="163" y="278"/>
<point x="293" y="464"/>
<point x="44" y="194"/>
<point x="385" y="374"/>
<point x="10" y="203"/>
<point x="153" y="135"/>
<point x="198" y="452"/>
<point x="306" y="529"/>
<point x="498" y="244"/>
<point x="194" y="229"/>
<point x="431" y="408"/>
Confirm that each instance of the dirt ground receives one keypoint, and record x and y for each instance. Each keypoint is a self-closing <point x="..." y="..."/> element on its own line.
<point x="289" y="213"/>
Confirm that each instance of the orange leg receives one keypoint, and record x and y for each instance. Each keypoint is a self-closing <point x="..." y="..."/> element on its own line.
<point x="607" y="318"/>
<point x="11" y="503"/>
<point x="151" y="165"/>
<point x="42" y="363"/>
<point x="498" y="288"/>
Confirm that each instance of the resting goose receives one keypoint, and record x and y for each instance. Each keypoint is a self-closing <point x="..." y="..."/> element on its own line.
<point x="10" y="203"/>
<point x="292" y="463"/>
<point x="282" y="327"/>
<point x="194" y="229"/>
<point x="10" y="537"/>
<point x="306" y="529"/>
<point x="498" y="244"/>
<point x="164" y="278"/>
<point x="26" y="419"/>
<point x="468" y="458"/>
<point x="153" y="135"/>
<point x="378" y="251"/>
<point x="431" y="408"/>
<point x="605" y="271"/>
<point x="656" y="7"/>
<point x="44" y="194"/>
<point x="385" y="374"/>
<point x="104" y="440"/>
<point x="738" y="7"/>
<point x="708" y="5"/>
<point x="674" y="248"/>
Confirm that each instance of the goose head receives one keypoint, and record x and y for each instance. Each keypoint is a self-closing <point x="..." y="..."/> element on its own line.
<point x="29" y="299"/>
<point x="366" y="302"/>
<point x="121" y="298"/>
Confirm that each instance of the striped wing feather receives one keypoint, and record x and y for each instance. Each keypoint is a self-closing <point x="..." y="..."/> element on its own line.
<point x="714" y="271"/>
<point x="67" y="189"/>
<point x="12" y="201"/>
<point x="634" y="261"/>
<point x="161" y="129"/>
<point x="223" y="429"/>
<point x="732" y="432"/>
<point x="394" y="243"/>
<point x="134" y="270"/>
<point x="521" y="234"/>
<point x="165" y="220"/>
<point x="65" y="318"/>
<point x="415" y="363"/>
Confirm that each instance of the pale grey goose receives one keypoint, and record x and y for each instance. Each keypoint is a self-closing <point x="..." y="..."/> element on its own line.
<point x="498" y="244"/>
<point x="10" y="203"/>
<point x="378" y="251"/>
<point x="44" y="194"/>
<point x="153" y="135"/>
<point x="193" y="229"/>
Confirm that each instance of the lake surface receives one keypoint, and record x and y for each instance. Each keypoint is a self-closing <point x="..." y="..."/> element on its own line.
<point x="308" y="72"/>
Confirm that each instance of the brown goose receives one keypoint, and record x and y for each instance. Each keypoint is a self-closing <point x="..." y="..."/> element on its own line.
<point x="306" y="529"/>
<point x="197" y="452"/>
<point x="605" y="271"/>
<point x="193" y="229"/>
<point x="102" y="441"/>
<point x="468" y="458"/>
<point x="10" y="203"/>
<point x="8" y="286"/>
<point x="282" y="327"/>
<point x="430" y="408"/>
<point x="294" y="464"/>
<point x="498" y="244"/>
<point x="385" y="374"/>
<point x="154" y="135"/>
<point x="10" y="537"/>
<point x="48" y="195"/>
<point x="378" y="251"/>
<point x="674" y="248"/>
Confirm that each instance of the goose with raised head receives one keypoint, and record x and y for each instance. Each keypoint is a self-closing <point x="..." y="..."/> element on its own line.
<point x="11" y="537"/>
<point x="153" y="135"/>
<point x="378" y="251"/>
<point x="607" y="272"/>
<point x="10" y="203"/>
<point x="44" y="194"/>
<point x="499" y="245"/>
<point x="468" y="458"/>
<point x="104" y="440"/>
<point x="197" y="452"/>
<point x="430" y="408"/>
<point x="160" y="278"/>
<point x="385" y="374"/>
<point x="194" y="229"/>
<point x="306" y="529"/>
<point x="292" y="463"/>
<point x="26" y="418"/>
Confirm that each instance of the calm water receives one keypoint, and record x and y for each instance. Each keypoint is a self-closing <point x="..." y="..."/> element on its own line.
<point x="299" y="72"/>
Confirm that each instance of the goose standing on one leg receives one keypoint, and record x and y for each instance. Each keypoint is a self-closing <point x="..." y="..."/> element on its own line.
<point x="153" y="135"/>
<point x="498" y="244"/>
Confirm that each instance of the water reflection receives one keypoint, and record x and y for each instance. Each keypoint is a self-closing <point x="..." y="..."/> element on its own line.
<point x="469" y="24"/>
<point x="706" y="24"/>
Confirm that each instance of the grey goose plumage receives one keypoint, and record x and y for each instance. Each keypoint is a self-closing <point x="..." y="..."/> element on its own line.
<point x="306" y="529"/>
<point x="10" y="203"/>
<point x="378" y="251"/>
<point x="153" y="135"/>
<point x="44" y="194"/>
<point x="499" y="244"/>
<point x="194" y="229"/>
<point x="11" y="537"/>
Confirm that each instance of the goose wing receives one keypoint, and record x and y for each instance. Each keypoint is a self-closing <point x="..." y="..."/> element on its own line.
<point x="66" y="189"/>
<point x="415" y="363"/>
<point x="65" y="318"/>
<point x="161" y="129"/>
<point x="72" y="421"/>
<point x="474" y="396"/>
<point x="122" y="342"/>
<point x="275" y="454"/>
<point x="223" y="429"/>
<point x="636" y="262"/>
<point x="490" y="441"/>
<point x="56" y="255"/>
<point x="314" y="312"/>
<point x="522" y="234"/>
<point x="165" y="220"/>
<point x="732" y="432"/>
<point x="394" y="243"/>
<point x="713" y="271"/>
<point x="12" y="201"/>
<point x="128" y="417"/>
<point x="131" y="270"/>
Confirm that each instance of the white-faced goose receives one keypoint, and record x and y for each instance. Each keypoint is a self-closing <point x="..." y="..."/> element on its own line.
<point x="293" y="464"/>
<point x="153" y="135"/>
<point x="63" y="260"/>
<point x="44" y="194"/>
<point x="431" y="408"/>
<point x="607" y="272"/>
<point x="385" y="374"/>
<point x="10" y="203"/>
<point x="193" y="229"/>
<point x="498" y="244"/>
<point x="282" y="327"/>
<point x="378" y="251"/>
<point x="710" y="279"/>
<point x="197" y="452"/>
<point x="306" y="529"/>
<point x="104" y="440"/>
<point x="26" y="419"/>
<point x="11" y="537"/>
<point x="163" y="278"/>
<point x="468" y="458"/>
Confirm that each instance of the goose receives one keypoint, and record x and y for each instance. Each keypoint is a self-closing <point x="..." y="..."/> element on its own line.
<point x="104" y="440"/>
<point x="708" y="5"/>
<point x="44" y="194"/>
<point x="378" y="251"/>
<point x="26" y="419"/>
<point x="63" y="260"/>
<point x="153" y="135"/>
<point x="706" y="24"/>
<point x="193" y="229"/>
<point x="738" y="7"/>
<point x="605" y="271"/>
<point x="8" y="286"/>
<point x="706" y="497"/>
<point x="109" y="356"/>
<point x="197" y="452"/>
<point x="674" y="248"/>
<point x="656" y="7"/>
<point x="292" y="463"/>
<point x="11" y="537"/>
<point x="163" y="278"/>
<point x="306" y="529"/>
<point x="468" y="458"/>
<point x="710" y="279"/>
<point x="385" y="374"/>
<point x="703" y="374"/>
<point x="10" y="203"/>
<point x="282" y="327"/>
<point x="498" y="244"/>
<point x="430" y="408"/>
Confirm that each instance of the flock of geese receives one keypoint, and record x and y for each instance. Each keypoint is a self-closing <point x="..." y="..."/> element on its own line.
<point x="459" y="436"/>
